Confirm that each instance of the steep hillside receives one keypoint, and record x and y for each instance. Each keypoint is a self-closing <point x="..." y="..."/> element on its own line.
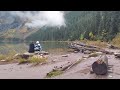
<point x="13" y="27"/>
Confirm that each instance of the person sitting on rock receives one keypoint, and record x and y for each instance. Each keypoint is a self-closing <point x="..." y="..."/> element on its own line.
<point x="37" y="46"/>
<point x="31" y="48"/>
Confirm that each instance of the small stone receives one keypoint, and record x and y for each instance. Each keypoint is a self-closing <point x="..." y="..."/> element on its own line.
<point x="91" y="72"/>
<point x="64" y="55"/>
<point x="55" y="66"/>
<point x="53" y="60"/>
<point x="85" y="56"/>
<point x="87" y="52"/>
<point x="3" y="60"/>
<point x="75" y="51"/>
<point x="110" y="76"/>
<point x="100" y="53"/>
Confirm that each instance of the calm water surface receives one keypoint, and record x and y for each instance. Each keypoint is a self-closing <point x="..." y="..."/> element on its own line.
<point x="9" y="47"/>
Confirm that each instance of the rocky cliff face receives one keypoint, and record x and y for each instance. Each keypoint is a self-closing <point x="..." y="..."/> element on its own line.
<point x="21" y="24"/>
<point x="11" y="26"/>
<point x="8" y="21"/>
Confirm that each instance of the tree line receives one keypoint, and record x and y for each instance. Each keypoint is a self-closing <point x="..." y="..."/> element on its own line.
<point x="91" y="25"/>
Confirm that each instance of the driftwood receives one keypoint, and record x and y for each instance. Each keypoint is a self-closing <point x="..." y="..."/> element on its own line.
<point x="87" y="52"/>
<point x="42" y="52"/>
<point x="67" y="66"/>
<point x="64" y="55"/>
<point x="83" y="47"/>
<point x="117" y="55"/>
<point x="100" y="67"/>
<point x="63" y="68"/>
<point x="112" y="47"/>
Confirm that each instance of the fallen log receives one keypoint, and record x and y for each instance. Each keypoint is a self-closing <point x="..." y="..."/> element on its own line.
<point x="73" y="64"/>
<point x="80" y="48"/>
<point x="100" y="67"/>
<point x="68" y="65"/>
<point x="62" y="67"/>
<point x="117" y="55"/>
<point x="59" y="70"/>
<point x="112" y="47"/>
<point x="42" y="52"/>
<point x="84" y="47"/>
<point x="87" y="52"/>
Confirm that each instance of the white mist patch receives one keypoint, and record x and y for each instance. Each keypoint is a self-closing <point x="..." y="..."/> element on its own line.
<point x="38" y="19"/>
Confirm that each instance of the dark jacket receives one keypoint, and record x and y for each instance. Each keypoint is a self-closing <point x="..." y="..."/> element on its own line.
<point x="31" y="48"/>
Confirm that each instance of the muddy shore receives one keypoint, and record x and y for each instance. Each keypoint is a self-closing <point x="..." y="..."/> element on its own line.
<point x="80" y="71"/>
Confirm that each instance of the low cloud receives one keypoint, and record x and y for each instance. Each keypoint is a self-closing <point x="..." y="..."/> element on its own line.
<point x="38" y="19"/>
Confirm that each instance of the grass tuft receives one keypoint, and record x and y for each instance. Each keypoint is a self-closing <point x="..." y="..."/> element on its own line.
<point x="37" y="60"/>
<point x="116" y="41"/>
<point x="53" y="73"/>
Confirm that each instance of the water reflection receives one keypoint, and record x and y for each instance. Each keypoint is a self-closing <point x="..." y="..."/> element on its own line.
<point x="23" y="47"/>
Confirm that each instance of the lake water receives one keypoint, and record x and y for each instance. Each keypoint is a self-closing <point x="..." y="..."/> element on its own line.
<point x="9" y="47"/>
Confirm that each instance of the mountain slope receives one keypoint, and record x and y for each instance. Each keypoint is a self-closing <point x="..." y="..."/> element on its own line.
<point x="93" y="25"/>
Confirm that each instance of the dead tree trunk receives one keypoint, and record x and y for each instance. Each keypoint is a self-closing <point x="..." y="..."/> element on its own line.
<point x="83" y="47"/>
<point x="68" y="65"/>
<point x="100" y="67"/>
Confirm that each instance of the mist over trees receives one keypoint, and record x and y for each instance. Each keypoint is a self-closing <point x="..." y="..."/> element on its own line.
<point x="102" y="25"/>
<point x="92" y="25"/>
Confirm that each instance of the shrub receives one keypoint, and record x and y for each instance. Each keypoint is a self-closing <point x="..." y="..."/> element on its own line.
<point x="2" y="57"/>
<point x="37" y="60"/>
<point x="116" y="40"/>
<point x="23" y="61"/>
<point x="53" y="73"/>
<point x="97" y="43"/>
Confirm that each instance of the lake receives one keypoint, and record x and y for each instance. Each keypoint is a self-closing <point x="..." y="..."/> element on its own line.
<point x="53" y="47"/>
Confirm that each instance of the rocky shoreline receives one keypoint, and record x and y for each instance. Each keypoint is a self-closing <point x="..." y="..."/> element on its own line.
<point x="80" y="71"/>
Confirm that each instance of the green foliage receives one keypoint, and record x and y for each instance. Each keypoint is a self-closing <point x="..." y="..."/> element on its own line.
<point x="37" y="60"/>
<point x="81" y="37"/>
<point x="91" y="36"/>
<point x="54" y="73"/>
<point x="116" y="40"/>
<point x="23" y="61"/>
<point x="2" y="57"/>
<point x="33" y="59"/>
<point x="99" y="25"/>
<point x="8" y="57"/>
